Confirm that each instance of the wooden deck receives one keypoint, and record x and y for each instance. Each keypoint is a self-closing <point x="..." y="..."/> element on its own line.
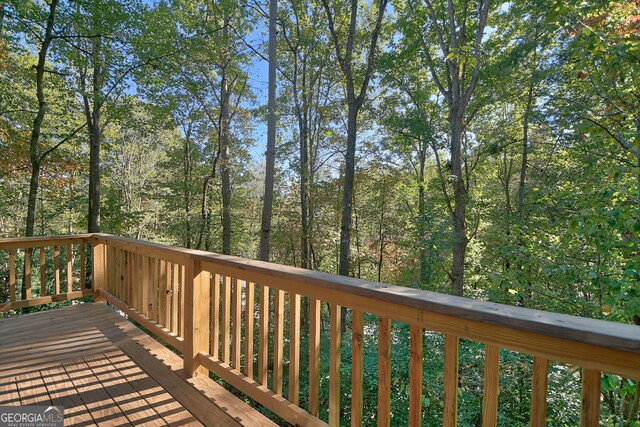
<point x="106" y="371"/>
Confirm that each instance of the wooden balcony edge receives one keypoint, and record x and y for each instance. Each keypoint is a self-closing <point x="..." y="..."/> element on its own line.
<point x="153" y="327"/>
<point x="33" y="302"/>
<point x="601" y="333"/>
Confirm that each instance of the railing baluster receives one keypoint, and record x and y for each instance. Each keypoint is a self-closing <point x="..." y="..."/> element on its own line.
<point x="334" y="364"/>
<point x="183" y="270"/>
<point x="237" y="326"/>
<point x="83" y="272"/>
<point x="294" y="348"/>
<point x="129" y="278"/>
<point x="450" y="381"/>
<point x="140" y="283"/>
<point x="27" y="273"/>
<point x="175" y="315"/>
<point x="263" y="339"/>
<point x="167" y="295"/>
<point x="415" y="376"/>
<point x="215" y="317"/>
<point x="357" y="349"/>
<point x="314" y="355"/>
<point x="539" y="392"/>
<point x="196" y="338"/>
<point x="278" y="341"/>
<point x="112" y="261"/>
<point x="590" y="410"/>
<point x="56" y="267"/>
<point x="110" y="286"/>
<point x="43" y="273"/>
<point x="490" y="395"/>
<point x="12" y="275"/>
<point x="153" y="290"/>
<point x="248" y="329"/>
<point x="162" y="293"/>
<point x="122" y="272"/>
<point x="69" y="269"/>
<point x="384" y="372"/>
<point x="98" y="273"/>
<point x="226" y="319"/>
<point x="146" y="285"/>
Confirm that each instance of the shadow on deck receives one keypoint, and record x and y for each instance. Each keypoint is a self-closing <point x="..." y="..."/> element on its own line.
<point x="106" y="371"/>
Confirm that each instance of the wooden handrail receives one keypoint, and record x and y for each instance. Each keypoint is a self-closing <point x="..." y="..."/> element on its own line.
<point x="43" y="294"/>
<point x="579" y="329"/>
<point x="168" y="289"/>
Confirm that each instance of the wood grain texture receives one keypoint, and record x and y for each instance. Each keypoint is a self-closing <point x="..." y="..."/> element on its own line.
<point x="215" y="316"/>
<point x="416" y="334"/>
<point x="103" y="368"/>
<point x="175" y="297"/>
<point x="335" y="335"/>
<point x="250" y="293"/>
<point x="183" y="284"/>
<point x="450" y="413"/>
<point x="294" y="348"/>
<point x="12" y="275"/>
<point x="261" y="394"/>
<point x="384" y="372"/>
<point x="39" y="241"/>
<point x="83" y="263"/>
<point x="278" y="341"/>
<point x="490" y="392"/>
<point x="43" y="273"/>
<point x="27" y="273"/>
<point x="226" y="320"/>
<point x="236" y="342"/>
<point x="196" y="317"/>
<point x="153" y="327"/>
<point x="357" y="351"/>
<point x="263" y="338"/>
<point x="69" y="268"/>
<point x="539" y="392"/>
<point x="56" y="267"/>
<point x="34" y="302"/>
<point x="314" y="355"/>
<point x="162" y="293"/>
<point x="590" y="407"/>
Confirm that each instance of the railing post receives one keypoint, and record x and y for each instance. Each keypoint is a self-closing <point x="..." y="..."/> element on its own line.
<point x="196" y="317"/>
<point x="99" y="272"/>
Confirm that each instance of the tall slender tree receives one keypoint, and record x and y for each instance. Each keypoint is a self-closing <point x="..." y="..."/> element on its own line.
<point x="356" y="81"/>
<point x="458" y="31"/>
<point x="267" y="208"/>
<point x="35" y="155"/>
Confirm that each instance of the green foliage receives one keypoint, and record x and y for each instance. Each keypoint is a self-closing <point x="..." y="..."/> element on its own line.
<point x="551" y="161"/>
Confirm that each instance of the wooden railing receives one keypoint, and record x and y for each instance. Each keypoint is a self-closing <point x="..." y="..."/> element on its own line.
<point x="31" y="284"/>
<point x="210" y="307"/>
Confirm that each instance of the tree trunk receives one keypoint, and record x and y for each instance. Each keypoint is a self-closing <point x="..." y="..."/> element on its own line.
<point x="304" y="195"/>
<point x="381" y="233"/>
<point x="187" y="185"/>
<point x="267" y="208"/>
<point x="95" y="139"/>
<point x="347" y="192"/>
<point x="422" y="223"/>
<point x="460" y="204"/>
<point x="225" y="171"/>
<point x="34" y="154"/>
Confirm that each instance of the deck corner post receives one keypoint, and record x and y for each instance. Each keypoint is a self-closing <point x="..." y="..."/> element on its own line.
<point x="196" y="317"/>
<point x="98" y="252"/>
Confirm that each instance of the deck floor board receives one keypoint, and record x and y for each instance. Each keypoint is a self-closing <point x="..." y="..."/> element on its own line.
<point x="106" y="371"/>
